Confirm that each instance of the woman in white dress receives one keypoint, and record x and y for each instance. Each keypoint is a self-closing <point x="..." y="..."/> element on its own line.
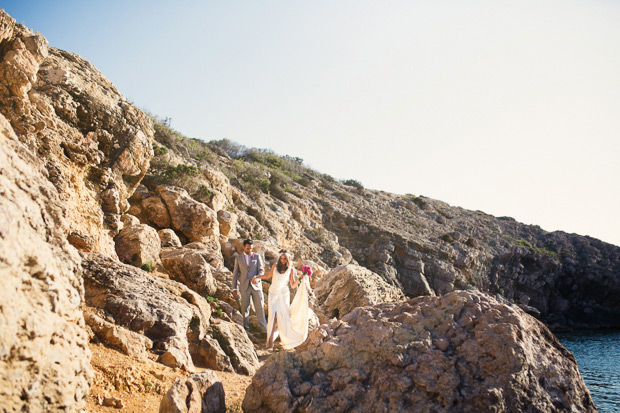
<point x="288" y="321"/>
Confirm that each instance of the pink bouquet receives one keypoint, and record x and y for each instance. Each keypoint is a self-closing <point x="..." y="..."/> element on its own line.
<point x="306" y="271"/>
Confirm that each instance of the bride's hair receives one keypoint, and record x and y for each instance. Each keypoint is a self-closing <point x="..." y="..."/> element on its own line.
<point x="281" y="267"/>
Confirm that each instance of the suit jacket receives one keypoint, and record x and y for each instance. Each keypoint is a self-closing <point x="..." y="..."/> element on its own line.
<point x="243" y="273"/>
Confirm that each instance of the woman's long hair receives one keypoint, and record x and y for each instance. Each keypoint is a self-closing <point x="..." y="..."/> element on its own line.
<point x="289" y="262"/>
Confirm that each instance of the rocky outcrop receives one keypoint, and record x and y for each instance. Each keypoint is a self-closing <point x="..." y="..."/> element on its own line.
<point x="156" y="212"/>
<point x="133" y="344"/>
<point x="168" y="238"/>
<point x="138" y="245"/>
<point x="464" y="352"/>
<point x="95" y="146"/>
<point x="188" y="266"/>
<point x="194" y="219"/>
<point x="570" y="280"/>
<point x="201" y="392"/>
<point x="228" y="222"/>
<point x="142" y="303"/>
<point x="44" y="355"/>
<point x="237" y="346"/>
<point x="174" y="317"/>
<point x="350" y="286"/>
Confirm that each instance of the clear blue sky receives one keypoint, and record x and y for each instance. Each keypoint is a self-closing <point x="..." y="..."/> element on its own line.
<point x="509" y="107"/>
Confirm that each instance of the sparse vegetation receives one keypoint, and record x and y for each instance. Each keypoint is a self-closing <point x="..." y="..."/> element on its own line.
<point x="215" y="304"/>
<point x="147" y="267"/>
<point x="342" y="196"/>
<point x="318" y="236"/>
<point x="521" y="243"/>
<point x="447" y="238"/>
<point x="355" y="184"/>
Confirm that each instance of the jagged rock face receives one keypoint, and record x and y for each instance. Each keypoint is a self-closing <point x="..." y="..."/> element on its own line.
<point x="44" y="355"/>
<point x="143" y="304"/>
<point x="138" y="245"/>
<point x="168" y="238"/>
<point x="174" y="317"/>
<point x="201" y="392"/>
<point x="120" y="338"/>
<point x="463" y="352"/>
<point x="95" y="145"/>
<point x="570" y="280"/>
<point x="350" y="286"/>
<point x="190" y="268"/>
<point x="194" y="219"/>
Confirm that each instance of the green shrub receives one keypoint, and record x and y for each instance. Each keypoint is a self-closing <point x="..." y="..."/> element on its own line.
<point x="447" y="238"/>
<point x="215" y="304"/>
<point x="159" y="150"/>
<point x="147" y="267"/>
<point x="353" y="183"/>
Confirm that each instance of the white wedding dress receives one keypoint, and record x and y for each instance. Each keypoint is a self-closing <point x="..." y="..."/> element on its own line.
<point x="292" y="320"/>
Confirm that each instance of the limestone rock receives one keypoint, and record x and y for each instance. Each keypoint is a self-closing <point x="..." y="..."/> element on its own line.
<point x="138" y="245"/>
<point x="227" y="221"/>
<point x="236" y="344"/>
<point x="44" y="354"/>
<point x="93" y="143"/>
<point x="210" y="252"/>
<point x="220" y="187"/>
<point x="131" y="343"/>
<point x="143" y="304"/>
<point x="168" y="238"/>
<point x="156" y="211"/>
<point x="129" y="220"/>
<point x="201" y="392"/>
<point x="350" y="286"/>
<point x="188" y="266"/>
<point x="208" y="353"/>
<point x="194" y="219"/>
<point x="462" y="352"/>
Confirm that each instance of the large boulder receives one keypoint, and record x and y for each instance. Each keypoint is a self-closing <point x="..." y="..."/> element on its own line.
<point x="138" y="245"/>
<point x="211" y="252"/>
<point x="174" y="317"/>
<point x="133" y="344"/>
<point x="221" y="190"/>
<point x="156" y="211"/>
<point x="143" y="304"/>
<point x="462" y="352"/>
<point x="189" y="267"/>
<point x="350" y="286"/>
<point x="228" y="222"/>
<point x="194" y="219"/>
<point x="168" y="238"/>
<point x="44" y="354"/>
<point x="200" y="392"/>
<point x="236" y="344"/>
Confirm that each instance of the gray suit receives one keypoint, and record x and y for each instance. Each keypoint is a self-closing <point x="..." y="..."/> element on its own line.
<point x="242" y="281"/>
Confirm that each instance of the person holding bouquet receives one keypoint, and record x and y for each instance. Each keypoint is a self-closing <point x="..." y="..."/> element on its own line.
<point x="289" y="322"/>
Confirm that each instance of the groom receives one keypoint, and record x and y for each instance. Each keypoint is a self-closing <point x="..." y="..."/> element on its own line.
<point x="247" y="266"/>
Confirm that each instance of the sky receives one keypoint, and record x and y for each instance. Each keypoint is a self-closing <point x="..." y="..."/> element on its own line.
<point x="509" y="107"/>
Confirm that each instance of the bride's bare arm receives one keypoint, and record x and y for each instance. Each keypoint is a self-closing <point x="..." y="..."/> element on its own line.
<point x="268" y="275"/>
<point x="293" y="278"/>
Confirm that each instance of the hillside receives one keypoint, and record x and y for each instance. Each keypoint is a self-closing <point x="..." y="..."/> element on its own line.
<point x="420" y="245"/>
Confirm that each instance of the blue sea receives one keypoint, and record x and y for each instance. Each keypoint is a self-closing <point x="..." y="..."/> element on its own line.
<point x="598" y="358"/>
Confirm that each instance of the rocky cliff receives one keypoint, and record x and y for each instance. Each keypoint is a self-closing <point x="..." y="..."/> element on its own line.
<point x="116" y="229"/>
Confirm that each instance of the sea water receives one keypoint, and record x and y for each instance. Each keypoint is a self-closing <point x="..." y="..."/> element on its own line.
<point x="598" y="358"/>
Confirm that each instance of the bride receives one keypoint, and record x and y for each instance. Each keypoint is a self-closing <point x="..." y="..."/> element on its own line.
<point x="290" y="322"/>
